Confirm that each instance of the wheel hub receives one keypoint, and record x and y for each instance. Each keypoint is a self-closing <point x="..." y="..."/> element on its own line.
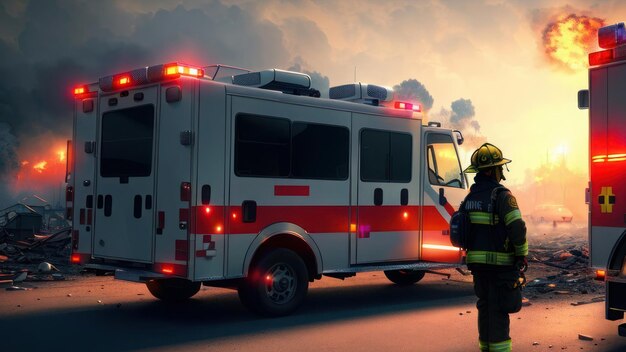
<point x="281" y="285"/>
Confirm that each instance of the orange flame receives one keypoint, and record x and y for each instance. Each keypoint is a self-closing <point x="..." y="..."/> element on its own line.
<point x="40" y="166"/>
<point x="61" y="154"/>
<point x="569" y="40"/>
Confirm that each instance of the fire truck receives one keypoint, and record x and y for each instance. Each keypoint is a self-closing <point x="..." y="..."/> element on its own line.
<point x="180" y="176"/>
<point x="606" y="195"/>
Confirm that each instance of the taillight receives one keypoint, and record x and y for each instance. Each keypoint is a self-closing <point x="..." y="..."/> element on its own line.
<point x="75" y="259"/>
<point x="600" y="275"/>
<point x="185" y="191"/>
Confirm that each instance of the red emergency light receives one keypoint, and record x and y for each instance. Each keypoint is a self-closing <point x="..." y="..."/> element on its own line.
<point x="81" y="90"/>
<point x="600" y="57"/>
<point x="75" y="259"/>
<point x="176" y="70"/>
<point x="146" y="75"/>
<point x="407" y="106"/>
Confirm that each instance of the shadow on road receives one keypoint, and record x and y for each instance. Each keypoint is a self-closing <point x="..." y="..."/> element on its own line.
<point x="153" y="324"/>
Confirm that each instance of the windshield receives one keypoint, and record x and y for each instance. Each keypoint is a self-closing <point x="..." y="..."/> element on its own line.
<point x="444" y="168"/>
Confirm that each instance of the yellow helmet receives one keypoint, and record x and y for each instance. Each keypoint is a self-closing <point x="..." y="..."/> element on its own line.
<point x="486" y="156"/>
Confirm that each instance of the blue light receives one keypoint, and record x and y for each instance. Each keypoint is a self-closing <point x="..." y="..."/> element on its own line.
<point x="612" y="36"/>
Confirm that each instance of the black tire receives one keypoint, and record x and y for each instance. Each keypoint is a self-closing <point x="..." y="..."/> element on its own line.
<point x="276" y="285"/>
<point x="173" y="290"/>
<point x="404" y="277"/>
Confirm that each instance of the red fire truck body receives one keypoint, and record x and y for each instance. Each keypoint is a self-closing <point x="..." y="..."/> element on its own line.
<point x="606" y="195"/>
<point x="181" y="175"/>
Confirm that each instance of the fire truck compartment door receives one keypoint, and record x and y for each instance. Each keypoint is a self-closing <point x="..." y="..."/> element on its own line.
<point x="445" y="186"/>
<point x="125" y="177"/>
<point x="388" y="179"/>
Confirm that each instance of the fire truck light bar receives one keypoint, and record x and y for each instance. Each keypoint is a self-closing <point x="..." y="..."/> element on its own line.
<point x="601" y="57"/>
<point x="611" y="36"/>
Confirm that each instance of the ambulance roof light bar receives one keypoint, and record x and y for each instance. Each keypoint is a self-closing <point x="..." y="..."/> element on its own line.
<point x="151" y="74"/>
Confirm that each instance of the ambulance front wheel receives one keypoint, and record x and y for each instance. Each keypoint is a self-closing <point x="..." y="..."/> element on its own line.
<point x="173" y="289"/>
<point x="404" y="277"/>
<point x="276" y="284"/>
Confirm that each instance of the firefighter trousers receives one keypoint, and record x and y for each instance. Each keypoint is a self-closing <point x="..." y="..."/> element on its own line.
<point x="497" y="297"/>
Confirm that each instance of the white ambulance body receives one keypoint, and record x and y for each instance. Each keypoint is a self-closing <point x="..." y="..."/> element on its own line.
<point x="180" y="176"/>
<point x="606" y="195"/>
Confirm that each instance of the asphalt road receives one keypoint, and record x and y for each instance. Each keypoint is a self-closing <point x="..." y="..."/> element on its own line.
<point x="364" y="313"/>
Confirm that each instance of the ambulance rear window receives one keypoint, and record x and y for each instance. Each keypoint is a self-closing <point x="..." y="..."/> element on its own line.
<point x="127" y="142"/>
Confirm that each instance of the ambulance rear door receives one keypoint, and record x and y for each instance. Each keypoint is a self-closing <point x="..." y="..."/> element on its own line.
<point x="124" y="213"/>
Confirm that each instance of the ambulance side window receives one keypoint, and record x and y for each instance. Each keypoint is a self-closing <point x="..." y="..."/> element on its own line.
<point x="262" y="146"/>
<point x="385" y="156"/>
<point x="444" y="168"/>
<point x="319" y="151"/>
<point x="276" y="147"/>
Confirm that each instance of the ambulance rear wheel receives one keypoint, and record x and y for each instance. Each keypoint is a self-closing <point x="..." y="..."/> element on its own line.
<point x="276" y="284"/>
<point x="172" y="290"/>
<point x="404" y="277"/>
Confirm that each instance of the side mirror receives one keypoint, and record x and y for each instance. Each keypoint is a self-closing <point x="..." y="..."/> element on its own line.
<point x="459" y="137"/>
<point x="583" y="99"/>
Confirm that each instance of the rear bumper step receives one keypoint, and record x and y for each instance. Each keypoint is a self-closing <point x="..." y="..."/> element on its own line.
<point x="128" y="274"/>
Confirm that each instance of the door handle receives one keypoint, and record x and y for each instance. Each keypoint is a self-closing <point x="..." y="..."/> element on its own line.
<point x="248" y="209"/>
<point x="442" y="197"/>
<point x="378" y="196"/>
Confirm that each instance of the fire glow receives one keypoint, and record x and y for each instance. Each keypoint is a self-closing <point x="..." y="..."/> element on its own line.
<point x="568" y="40"/>
<point x="42" y="170"/>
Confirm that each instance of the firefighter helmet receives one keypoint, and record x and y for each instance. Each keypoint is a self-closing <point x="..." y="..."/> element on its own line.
<point x="486" y="156"/>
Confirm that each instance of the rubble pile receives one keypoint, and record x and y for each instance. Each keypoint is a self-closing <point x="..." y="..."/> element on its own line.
<point x="39" y="258"/>
<point x="559" y="265"/>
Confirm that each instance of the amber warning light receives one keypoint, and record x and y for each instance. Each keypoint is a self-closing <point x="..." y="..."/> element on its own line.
<point x="175" y="69"/>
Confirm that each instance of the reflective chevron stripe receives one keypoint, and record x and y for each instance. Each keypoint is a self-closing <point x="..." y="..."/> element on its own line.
<point x="492" y="258"/>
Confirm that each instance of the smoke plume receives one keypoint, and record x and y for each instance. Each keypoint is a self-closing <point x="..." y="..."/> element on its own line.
<point x="411" y="90"/>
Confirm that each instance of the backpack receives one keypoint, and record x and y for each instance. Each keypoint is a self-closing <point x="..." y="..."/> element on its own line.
<point x="460" y="221"/>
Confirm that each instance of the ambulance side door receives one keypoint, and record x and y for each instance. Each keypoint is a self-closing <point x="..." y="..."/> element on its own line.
<point x="387" y="178"/>
<point x="445" y="187"/>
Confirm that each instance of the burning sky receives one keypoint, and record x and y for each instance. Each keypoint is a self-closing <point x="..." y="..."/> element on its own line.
<point x="569" y="39"/>
<point x="491" y="51"/>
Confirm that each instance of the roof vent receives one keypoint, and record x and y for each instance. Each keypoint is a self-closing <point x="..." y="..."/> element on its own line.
<point x="361" y="93"/>
<point x="283" y="81"/>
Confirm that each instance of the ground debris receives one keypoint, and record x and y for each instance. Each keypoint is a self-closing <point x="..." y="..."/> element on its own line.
<point x="585" y="337"/>
<point x="593" y="300"/>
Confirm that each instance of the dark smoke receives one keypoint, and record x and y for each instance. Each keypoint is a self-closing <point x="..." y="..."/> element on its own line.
<point x="412" y="90"/>
<point x="56" y="45"/>
<point x="8" y="150"/>
<point x="462" y="117"/>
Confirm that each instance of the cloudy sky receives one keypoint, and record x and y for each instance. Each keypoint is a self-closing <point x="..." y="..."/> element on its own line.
<point x="484" y="63"/>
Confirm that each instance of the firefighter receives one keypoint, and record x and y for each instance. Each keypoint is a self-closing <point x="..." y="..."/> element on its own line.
<point x="497" y="248"/>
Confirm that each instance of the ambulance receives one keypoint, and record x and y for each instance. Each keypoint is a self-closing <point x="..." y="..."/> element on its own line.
<point x="606" y="195"/>
<point x="181" y="176"/>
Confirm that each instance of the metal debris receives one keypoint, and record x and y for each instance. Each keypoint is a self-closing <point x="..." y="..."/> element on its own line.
<point x="585" y="337"/>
